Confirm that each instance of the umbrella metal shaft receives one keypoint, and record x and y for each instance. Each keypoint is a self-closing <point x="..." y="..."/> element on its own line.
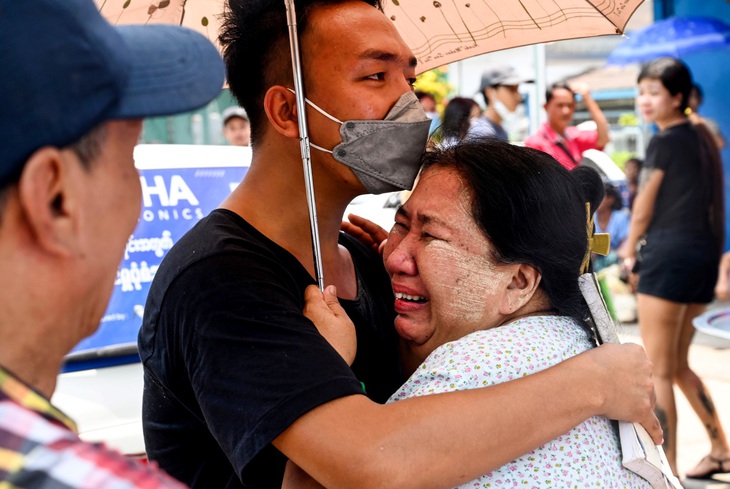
<point x="304" y="140"/>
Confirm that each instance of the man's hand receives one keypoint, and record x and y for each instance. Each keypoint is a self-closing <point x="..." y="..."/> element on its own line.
<point x="369" y="233"/>
<point x="580" y="88"/>
<point x="331" y="320"/>
<point x="625" y="374"/>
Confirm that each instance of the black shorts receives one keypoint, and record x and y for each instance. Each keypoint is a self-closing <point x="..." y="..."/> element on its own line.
<point x="679" y="267"/>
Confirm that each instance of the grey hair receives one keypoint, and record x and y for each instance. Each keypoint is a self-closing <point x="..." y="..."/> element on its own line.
<point x="87" y="148"/>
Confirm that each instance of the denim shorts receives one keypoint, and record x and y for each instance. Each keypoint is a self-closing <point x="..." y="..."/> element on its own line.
<point x="679" y="267"/>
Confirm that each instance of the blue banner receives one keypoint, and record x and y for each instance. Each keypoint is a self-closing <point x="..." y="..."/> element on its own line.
<point x="174" y="200"/>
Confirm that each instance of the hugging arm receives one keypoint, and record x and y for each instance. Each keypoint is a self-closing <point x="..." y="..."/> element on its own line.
<point x="641" y="214"/>
<point x="354" y="442"/>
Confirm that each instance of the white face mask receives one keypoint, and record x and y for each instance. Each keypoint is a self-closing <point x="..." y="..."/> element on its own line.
<point x="512" y="121"/>
<point x="502" y="109"/>
<point x="384" y="154"/>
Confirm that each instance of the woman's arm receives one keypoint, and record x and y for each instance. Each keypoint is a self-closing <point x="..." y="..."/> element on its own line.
<point x="641" y="213"/>
<point x="721" y="288"/>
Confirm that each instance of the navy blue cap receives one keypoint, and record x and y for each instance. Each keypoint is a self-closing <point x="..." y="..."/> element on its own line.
<point x="66" y="70"/>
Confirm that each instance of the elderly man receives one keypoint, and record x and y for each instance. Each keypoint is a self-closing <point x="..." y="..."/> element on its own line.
<point x="73" y="95"/>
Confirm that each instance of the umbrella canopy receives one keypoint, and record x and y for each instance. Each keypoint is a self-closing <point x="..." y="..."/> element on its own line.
<point x="199" y="15"/>
<point x="675" y="36"/>
<point x="443" y="31"/>
<point x="438" y="31"/>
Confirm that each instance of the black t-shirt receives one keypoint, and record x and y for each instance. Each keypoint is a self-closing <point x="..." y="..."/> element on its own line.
<point x="683" y="201"/>
<point x="230" y="360"/>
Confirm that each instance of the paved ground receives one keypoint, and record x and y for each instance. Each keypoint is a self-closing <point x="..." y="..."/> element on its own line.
<point x="710" y="358"/>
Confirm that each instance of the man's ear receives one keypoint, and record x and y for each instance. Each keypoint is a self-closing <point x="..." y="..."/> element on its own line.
<point x="280" y="106"/>
<point x="525" y="282"/>
<point x="46" y="201"/>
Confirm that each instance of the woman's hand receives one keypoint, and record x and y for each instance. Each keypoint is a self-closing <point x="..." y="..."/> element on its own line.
<point x="721" y="287"/>
<point x="331" y="320"/>
<point x="627" y="256"/>
<point x="369" y="233"/>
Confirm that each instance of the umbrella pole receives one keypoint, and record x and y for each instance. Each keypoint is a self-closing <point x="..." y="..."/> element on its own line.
<point x="304" y="140"/>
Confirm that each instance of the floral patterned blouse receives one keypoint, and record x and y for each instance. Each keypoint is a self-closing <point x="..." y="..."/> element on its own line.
<point x="586" y="456"/>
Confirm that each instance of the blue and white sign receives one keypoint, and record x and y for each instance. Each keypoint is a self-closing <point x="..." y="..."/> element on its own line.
<point x="181" y="184"/>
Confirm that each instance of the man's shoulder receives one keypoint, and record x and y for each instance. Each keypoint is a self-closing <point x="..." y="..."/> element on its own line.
<point x="48" y="454"/>
<point x="222" y="256"/>
<point x="222" y="234"/>
<point x="537" y="140"/>
<point x="484" y="127"/>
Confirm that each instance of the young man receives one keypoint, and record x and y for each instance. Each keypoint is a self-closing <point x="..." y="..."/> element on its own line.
<point x="236" y="126"/>
<point x="562" y="141"/>
<point x="237" y="379"/>
<point x="500" y="88"/>
<point x="73" y="95"/>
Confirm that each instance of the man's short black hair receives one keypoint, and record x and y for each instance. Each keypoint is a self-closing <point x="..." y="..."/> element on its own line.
<point x="557" y="86"/>
<point x="255" y="40"/>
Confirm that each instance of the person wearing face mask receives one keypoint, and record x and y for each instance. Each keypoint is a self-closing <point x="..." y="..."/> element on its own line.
<point x="500" y="88"/>
<point x="557" y="137"/>
<point x="484" y="259"/>
<point x="237" y="378"/>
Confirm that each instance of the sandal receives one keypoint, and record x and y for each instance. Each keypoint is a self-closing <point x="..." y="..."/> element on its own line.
<point x="720" y="466"/>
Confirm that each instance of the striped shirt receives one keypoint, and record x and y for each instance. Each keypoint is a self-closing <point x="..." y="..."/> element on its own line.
<point x="39" y="448"/>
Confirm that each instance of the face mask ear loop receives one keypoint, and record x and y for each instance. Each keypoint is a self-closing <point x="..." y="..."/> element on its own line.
<point x="314" y="106"/>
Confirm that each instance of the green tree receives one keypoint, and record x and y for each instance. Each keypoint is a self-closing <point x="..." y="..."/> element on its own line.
<point x="436" y="83"/>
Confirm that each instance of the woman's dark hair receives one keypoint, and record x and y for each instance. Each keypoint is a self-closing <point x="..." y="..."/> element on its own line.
<point x="612" y="192"/>
<point x="532" y="210"/>
<point x="673" y="74"/>
<point x="455" y="123"/>
<point x="677" y="78"/>
<point x="255" y="39"/>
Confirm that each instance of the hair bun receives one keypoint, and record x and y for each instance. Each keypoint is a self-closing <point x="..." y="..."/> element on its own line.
<point x="591" y="185"/>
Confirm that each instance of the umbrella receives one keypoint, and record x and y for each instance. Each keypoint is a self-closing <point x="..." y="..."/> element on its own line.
<point x="675" y="37"/>
<point x="199" y="15"/>
<point x="437" y="33"/>
<point x="443" y="31"/>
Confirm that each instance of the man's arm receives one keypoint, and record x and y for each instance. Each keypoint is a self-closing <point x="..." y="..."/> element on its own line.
<point x="354" y="442"/>
<point x="596" y="114"/>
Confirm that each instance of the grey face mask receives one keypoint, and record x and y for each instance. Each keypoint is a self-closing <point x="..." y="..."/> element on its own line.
<point x="384" y="154"/>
